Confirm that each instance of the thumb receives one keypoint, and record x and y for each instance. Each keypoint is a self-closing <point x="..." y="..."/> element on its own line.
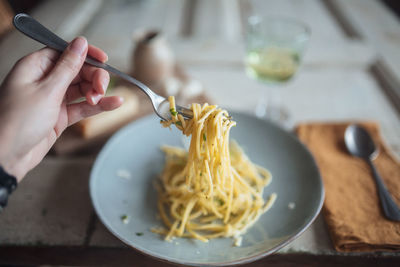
<point x="68" y="65"/>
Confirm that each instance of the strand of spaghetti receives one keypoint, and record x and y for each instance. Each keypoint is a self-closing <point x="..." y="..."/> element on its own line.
<point x="188" y="209"/>
<point x="210" y="206"/>
<point x="226" y="151"/>
<point x="182" y="121"/>
<point x="195" y="215"/>
<point x="172" y="108"/>
<point x="197" y="140"/>
<point x="188" y="129"/>
<point x="174" y="209"/>
<point x="230" y="198"/>
<point x="211" y="227"/>
<point x="206" y="115"/>
<point x="217" y="119"/>
<point x="270" y="202"/>
<point x="197" y="236"/>
<point x="160" y="230"/>
<point x="208" y="219"/>
<point x="216" y="235"/>
<point x="210" y="182"/>
<point x="243" y="216"/>
<point x="244" y="183"/>
<point x="171" y="231"/>
<point x="163" y="215"/>
<point x="178" y="177"/>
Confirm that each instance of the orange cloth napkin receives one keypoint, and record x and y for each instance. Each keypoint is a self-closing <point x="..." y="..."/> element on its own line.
<point x="352" y="209"/>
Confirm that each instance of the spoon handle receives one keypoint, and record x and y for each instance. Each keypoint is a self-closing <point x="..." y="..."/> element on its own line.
<point x="390" y="208"/>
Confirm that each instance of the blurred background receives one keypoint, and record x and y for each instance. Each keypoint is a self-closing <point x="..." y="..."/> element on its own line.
<point x="206" y="51"/>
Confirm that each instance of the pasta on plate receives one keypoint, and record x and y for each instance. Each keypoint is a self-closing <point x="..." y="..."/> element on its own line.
<point x="213" y="190"/>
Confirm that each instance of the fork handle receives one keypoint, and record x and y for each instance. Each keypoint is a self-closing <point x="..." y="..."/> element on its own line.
<point x="33" y="29"/>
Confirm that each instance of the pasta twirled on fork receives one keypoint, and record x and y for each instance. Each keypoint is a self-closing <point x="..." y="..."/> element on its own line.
<point x="213" y="190"/>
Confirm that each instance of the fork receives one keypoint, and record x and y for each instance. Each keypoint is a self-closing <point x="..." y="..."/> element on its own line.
<point x="33" y="29"/>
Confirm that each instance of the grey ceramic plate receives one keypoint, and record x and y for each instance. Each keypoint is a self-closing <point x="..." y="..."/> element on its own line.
<point x="135" y="148"/>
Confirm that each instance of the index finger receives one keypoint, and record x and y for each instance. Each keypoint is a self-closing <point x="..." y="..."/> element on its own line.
<point x="87" y="70"/>
<point x="97" y="53"/>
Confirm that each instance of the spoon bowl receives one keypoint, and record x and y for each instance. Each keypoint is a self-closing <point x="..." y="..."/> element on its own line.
<point x="359" y="143"/>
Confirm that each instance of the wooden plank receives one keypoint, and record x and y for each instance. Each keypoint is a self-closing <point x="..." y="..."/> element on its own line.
<point x="103" y="238"/>
<point x="188" y="14"/>
<point x="217" y="20"/>
<point x="378" y="25"/>
<point x="311" y="12"/>
<point x="78" y="18"/>
<point x="223" y="20"/>
<point x="387" y="81"/>
<point x="207" y="22"/>
<point x="79" y="256"/>
<point x="116" y="23"/>
<point x="342" y="20"/>
<point x="51" y="205"/>
<point x="319" y="54"/>
<point x="232" y="28"/>
<point x="175" y="17"/>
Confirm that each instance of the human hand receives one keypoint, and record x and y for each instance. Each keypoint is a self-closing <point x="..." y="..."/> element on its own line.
<point x="35" y="102"/>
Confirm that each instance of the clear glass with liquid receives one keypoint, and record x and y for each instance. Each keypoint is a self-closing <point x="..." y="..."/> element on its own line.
<point x="274" y="49"/>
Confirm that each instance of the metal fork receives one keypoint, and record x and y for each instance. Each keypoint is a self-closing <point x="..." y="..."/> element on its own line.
<point x="33" y="29"/>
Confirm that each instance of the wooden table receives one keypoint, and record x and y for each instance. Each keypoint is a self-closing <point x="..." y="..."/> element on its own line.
<point x="351" y="71"/>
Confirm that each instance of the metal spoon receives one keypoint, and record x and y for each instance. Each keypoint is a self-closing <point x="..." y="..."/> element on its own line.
<point x="359" y="143"/>
<point x="33" y="29"/>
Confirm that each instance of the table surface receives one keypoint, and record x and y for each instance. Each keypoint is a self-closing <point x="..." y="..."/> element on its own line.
<point x="351" y="71"/>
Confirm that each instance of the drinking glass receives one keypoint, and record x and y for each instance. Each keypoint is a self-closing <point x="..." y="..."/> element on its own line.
<point x="274" y="49"/>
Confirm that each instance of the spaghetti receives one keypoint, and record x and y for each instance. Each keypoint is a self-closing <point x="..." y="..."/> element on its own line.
<point x="213" y="190"/>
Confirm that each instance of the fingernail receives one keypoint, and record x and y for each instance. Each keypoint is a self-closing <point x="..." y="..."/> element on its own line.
<point x="104" y="84"/>
<point x="79" y="45"/>
<point x="96" y="99"/>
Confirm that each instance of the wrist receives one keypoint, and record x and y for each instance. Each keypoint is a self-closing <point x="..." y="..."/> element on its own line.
<point x="7" y="160"/>
<point x="6" y="166"/>
<point x="8" y="184"/>
<point x="9" y="165"/>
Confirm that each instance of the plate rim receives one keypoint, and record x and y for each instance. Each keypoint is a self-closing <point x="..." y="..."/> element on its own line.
<point x="225" y="263"/>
